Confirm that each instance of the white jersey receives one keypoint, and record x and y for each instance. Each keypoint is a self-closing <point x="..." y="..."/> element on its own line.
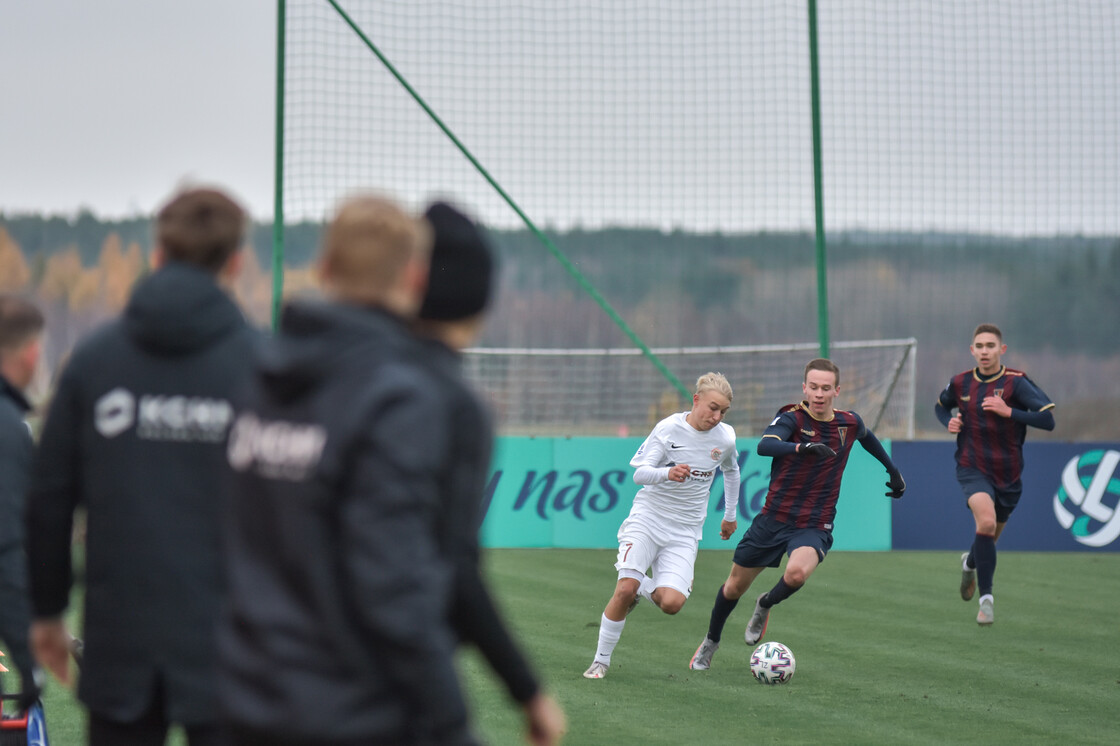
<point x="674" y="441"/>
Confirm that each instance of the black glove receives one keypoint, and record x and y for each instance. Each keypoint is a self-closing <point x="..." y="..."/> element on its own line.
<point x="816" y="450"/>
<point x="897" y="485"/>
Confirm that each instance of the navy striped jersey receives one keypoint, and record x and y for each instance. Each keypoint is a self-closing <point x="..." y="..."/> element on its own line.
<point x="804" y="490"/>
<point x="987" y="442"/>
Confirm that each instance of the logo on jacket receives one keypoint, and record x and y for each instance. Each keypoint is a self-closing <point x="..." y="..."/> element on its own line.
<point x="114" y="412"/>
<point x="275" y="449"/>
<point x="1087" y="503"/>
<point x="185" y="419"/>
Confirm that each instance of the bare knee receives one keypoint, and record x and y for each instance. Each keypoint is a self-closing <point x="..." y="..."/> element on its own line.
<point x="621" y="599"/>
<point x="734" y="588"/>
<point x="625" y="593"/>
<point x="672" y="605"/>
<point x="669" y="600"/>
<point x="738" y="582"/>
<point x="984" y="512"/>
<point x="795" y="577"/>
<point x="986" y="526"/>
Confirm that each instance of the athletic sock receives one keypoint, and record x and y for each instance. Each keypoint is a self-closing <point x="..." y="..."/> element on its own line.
<point x="984" y="550"/>
<point x="609" y="633"/>
<point x="721" y="609"/>
<point x="780" y="592"/>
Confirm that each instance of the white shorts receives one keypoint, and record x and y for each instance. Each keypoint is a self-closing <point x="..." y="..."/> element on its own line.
<point x="670" y="552"/>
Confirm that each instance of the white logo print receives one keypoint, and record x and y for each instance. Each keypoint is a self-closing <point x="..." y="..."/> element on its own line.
<point x="185" y="418"/>
<point x="114" y="412"/>
<point x="1084" y="490"/>
<point x="160" y="417"/>
<point x="279" y="450"/>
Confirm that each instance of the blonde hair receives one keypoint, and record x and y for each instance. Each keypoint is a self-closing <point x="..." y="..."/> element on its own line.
<point x="713" y="382"/>
<point x="367" y="246"/>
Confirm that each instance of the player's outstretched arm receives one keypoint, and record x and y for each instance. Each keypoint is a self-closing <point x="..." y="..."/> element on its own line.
<point x="773" y="447"/>
<point x="896" y="485"/>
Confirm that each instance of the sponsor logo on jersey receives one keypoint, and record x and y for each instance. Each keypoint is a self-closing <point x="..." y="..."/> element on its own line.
<point x="809" y="433"/>
<point x="187" y="419"/>
<point x="275" y="449"/>
<point x="966" y="398"/>
<point x="673" y="445"/>
<point x="1087" y="503"/>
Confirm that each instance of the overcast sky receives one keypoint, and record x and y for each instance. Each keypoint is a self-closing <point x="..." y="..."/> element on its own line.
<point x="955" y="115"/>
<point x="108" y="104"/>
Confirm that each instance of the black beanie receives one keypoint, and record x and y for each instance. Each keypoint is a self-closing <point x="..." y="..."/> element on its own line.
<point x="462" y="264"/>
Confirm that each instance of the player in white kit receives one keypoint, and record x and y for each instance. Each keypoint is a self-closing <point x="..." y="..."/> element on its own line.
<point x="675" y="466"/>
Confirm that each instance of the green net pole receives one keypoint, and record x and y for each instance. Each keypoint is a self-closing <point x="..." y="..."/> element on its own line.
<point x="818" y="184"/>
<point x="584" y="283"/>
<point x="278" y="187"/>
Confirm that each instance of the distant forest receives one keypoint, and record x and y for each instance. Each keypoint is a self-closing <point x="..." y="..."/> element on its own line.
<point x="1057" y="298"/>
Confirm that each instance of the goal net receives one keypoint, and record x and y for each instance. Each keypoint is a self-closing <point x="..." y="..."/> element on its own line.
<point x="664" y="150"/>
<point x="562" y="392"/>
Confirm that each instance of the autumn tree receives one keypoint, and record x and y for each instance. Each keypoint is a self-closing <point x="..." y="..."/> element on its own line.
<point x="14" y="273"/>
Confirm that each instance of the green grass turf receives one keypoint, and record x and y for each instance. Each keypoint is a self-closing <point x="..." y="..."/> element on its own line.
<point x="887" y="653"/>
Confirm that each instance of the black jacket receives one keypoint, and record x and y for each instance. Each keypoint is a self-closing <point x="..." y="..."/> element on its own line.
<point x="136" y="434"/>
<point x="15" y="467"/>
<point x="462" y="479"/>
<point x="336" y="628"/>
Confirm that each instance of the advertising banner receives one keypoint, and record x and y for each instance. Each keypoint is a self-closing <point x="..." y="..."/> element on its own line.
<point x="575" y="492"/>
<point x="1071" y="494"/>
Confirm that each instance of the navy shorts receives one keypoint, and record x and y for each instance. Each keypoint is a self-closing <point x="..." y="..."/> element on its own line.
<point x="973" y="481"/>
<point x="768" y="539"/>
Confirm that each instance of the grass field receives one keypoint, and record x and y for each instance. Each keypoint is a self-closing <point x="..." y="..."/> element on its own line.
<point x="887" y="653"/>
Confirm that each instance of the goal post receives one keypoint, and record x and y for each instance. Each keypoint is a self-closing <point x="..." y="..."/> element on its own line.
<point x="583" y="392"/>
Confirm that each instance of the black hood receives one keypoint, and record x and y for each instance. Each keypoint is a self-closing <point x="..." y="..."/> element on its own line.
<point x="179" y="309"/>
<point x="317" y="338"/>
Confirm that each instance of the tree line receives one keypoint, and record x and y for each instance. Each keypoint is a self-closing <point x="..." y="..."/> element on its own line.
<point x="1057" y="298"/>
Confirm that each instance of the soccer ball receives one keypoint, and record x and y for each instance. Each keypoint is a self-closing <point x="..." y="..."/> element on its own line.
<point x="773" y="663"/>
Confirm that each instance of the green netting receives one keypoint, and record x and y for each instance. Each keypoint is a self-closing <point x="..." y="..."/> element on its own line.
<point x="970" y="160"/>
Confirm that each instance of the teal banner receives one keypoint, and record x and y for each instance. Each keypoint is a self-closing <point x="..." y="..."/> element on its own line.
<point x="575" y="492"/>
